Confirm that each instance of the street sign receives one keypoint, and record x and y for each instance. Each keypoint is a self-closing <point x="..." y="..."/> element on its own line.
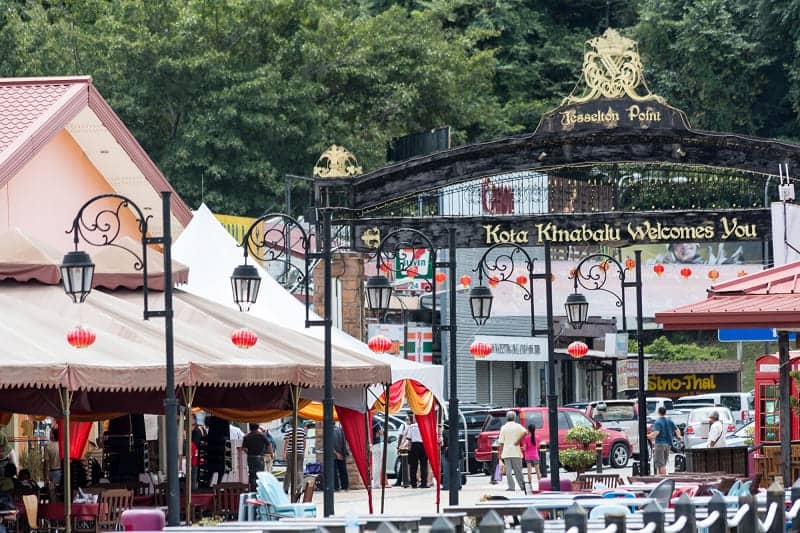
<point x="750" y="335"/>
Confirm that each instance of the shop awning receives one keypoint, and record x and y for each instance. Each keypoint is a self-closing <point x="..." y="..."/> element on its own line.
<point x="766" y="299"/>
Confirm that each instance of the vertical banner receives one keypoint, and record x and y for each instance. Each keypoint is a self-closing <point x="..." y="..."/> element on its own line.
<point x="785" y="227"/>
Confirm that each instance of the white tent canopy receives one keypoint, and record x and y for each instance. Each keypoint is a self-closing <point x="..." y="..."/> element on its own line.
<point x="212" y="253"/>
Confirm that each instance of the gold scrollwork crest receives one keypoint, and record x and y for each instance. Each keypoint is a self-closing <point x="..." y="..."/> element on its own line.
<point x="612" y="68"/>
<point x="337" y="162"/>
<point x="371" y="238"/>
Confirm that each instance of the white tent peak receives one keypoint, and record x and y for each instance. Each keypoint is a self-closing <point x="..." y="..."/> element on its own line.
<point x="212" y="253"/>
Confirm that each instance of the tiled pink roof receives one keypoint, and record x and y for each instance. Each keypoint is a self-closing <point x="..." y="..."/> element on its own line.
<point x="22" y="104"/>
<point x="33" y="110"/>
<point x="766" y="299"/>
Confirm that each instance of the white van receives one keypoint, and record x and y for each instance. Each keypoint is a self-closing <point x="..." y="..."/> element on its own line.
<point x="740" y="404"/>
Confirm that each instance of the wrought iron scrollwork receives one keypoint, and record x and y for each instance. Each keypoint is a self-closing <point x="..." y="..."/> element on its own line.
<point x="272" y="237"/>
<point x="397" y="252"/>
<point x="498" y="264"/>
<point x="592" y="273"/>
<point x="103" y="227"/>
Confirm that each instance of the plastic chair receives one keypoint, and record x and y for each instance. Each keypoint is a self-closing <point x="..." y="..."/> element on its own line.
<point x="734" y="490"/>
<point x="600" y="511"/>
<point x="276" y="502"/>
<point x="620" y="494"/>
<point x="662" y="493"/>
<point x="744" y="488"/>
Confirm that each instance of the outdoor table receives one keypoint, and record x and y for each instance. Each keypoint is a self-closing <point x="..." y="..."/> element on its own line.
<point x="518" y="506"/>
<point x="368" y="522"/>
<point x="54" y="511"/>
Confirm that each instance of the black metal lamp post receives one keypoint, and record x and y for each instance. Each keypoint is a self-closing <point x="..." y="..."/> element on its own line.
<point x="379" y="291"/>
<point x="77" y="271"/>
<point x="592" y="273"/>
<point x="269" y="239"/>
<point x="497" y="264"/>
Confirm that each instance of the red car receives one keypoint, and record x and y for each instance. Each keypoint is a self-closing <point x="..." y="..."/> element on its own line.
<point x="616" y="448"/>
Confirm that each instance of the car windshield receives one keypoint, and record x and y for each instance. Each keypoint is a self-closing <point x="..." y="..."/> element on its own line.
<point x="701" y="414"/>
<point x="475" y="418"/>
<point x="494" y="421"/>
<point x="613" y="412"/>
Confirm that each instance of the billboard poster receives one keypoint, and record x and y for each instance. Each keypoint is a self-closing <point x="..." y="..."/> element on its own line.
<point x="419" y="340"/>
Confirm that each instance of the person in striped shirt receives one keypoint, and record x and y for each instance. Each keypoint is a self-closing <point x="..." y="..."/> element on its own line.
<point x="289" y="451"/>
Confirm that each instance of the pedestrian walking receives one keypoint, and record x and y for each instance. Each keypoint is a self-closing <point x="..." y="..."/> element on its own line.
<point x="663" y="431"/>
<point x="509" y="450"/>
<point x="340" y="453"/>
<point x="716" y="433"/>
<point x="377" y="456"/>
<point x="403" y="446"/>
<point x="293" y="456"/>
<point x="256" y="445"/>
<point x="418" y="460"/>
<point x="531" y="454"/>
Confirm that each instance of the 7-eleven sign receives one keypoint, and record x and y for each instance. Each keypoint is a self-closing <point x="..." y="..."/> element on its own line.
<point x="418" y="257"/>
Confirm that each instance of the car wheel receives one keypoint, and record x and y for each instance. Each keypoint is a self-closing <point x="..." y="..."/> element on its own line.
<point x="618" y="455"/>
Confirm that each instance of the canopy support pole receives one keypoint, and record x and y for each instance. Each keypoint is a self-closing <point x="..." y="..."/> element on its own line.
<point x="293" y="460"/>
<point x="385" y="442"/>
<point x="188" y="399"/>
<point x="370" y="466"/>
<point x="65" y="397"/>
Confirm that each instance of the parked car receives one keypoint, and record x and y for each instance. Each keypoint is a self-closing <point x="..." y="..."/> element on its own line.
<point x="472" y="416"/>
<point x="697" y="424"/>
<point x="395" y="425"/>
<point x="277" y="435"/>
<point x="687" y="403"/>
<point x="654" y="402"/>
<point x="741" y="437"/>
<point x="616" y="448"/>
<point x="621" y="415"/>
<point x="580" y="406"/>
<point x="740" y="403"/>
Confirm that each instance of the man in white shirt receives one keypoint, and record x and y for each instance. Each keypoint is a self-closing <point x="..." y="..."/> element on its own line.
<point x="511" y="434"/>
<point x="716" y="433"/>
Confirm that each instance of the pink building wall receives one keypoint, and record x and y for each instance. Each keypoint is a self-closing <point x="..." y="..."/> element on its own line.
<point x="44" y="197"/>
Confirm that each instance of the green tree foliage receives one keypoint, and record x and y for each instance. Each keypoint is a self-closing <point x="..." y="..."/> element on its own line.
<point x="664" y="350"/>
<point x="228" y="96"/>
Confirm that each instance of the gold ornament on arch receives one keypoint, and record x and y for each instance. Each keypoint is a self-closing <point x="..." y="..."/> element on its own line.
<point x="337" y="162"/>
<point x="612" y="69"/>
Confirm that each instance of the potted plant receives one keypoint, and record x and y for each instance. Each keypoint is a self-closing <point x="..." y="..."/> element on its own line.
<point x="584" y="455"/>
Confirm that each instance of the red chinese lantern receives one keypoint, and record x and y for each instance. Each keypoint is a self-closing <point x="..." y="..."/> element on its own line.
<point x="713" y="274"/>
<point x="412" y="271"/>
<point x="440" y="277"/>
<point x="522" y="280"/>
<point x="244" y="338"/>
<point x="686" y="272"/>
<point x="658" y="268"/>
<point x="380" y="344"/>
<point x="630" y="264"/>
<point x="480" y="349"/>
<point x="577" y="349"/>
<point x="465" y="281"/>
<point x="81" y="337"/>
<point x="384" y="267"/>
<point x="493" y="281"/>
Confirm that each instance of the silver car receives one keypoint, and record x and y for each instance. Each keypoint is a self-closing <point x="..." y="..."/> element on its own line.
<point x="741" y="437"/>
<point x="697" y="424"/>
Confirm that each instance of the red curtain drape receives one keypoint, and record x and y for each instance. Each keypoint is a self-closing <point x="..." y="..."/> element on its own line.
<point x="354" y="427"/>
<point x="78" y="437"/>
<point x="430" y="441"/>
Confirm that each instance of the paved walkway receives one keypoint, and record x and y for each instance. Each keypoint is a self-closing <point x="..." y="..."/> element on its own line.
<point x="400" y="501"/>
